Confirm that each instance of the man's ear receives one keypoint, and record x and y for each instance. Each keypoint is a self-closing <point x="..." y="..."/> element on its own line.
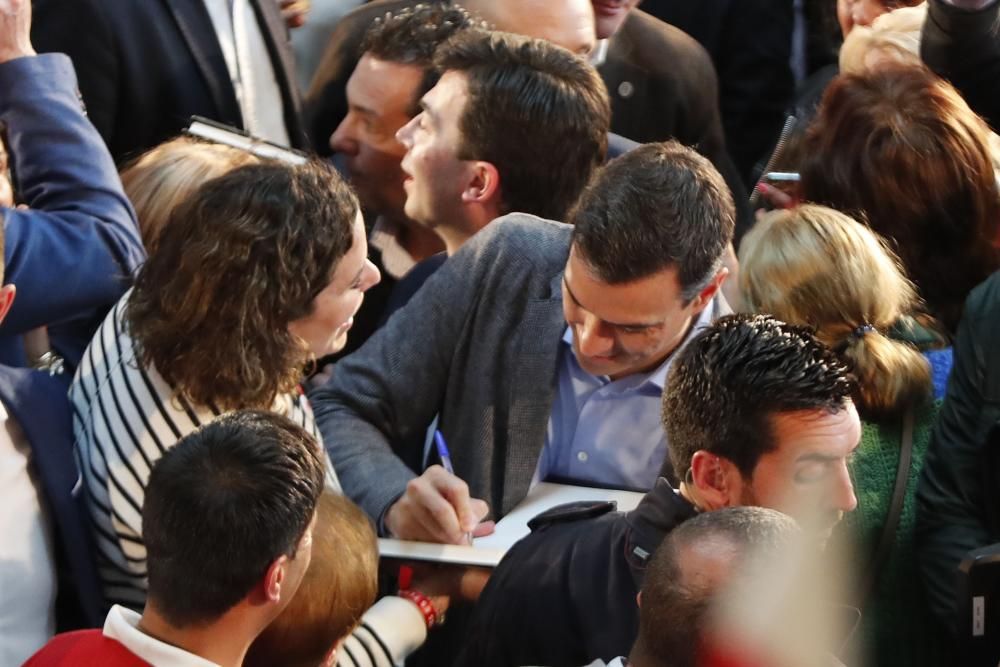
<point x="274" y="578"/>
<point x="638" y="599"/>
<point x="716" y="481"/>
<point x="7" y="294"/>
<point x="483" y="187"/>
<point x="710" y="290"/>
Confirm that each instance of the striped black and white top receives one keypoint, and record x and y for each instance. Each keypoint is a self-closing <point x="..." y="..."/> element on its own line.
<point x="125" y="417"/>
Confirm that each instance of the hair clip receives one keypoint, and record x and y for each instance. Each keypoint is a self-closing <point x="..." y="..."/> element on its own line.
<point x="860" y="332"/>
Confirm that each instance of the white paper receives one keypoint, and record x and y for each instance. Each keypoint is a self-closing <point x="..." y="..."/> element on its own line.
<point x="489" y="550"/>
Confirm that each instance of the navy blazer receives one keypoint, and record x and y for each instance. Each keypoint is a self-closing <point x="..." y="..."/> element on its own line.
<point x="147" y="66"/>
<point x="71" y="253"/>
<point x="38" y="403"/>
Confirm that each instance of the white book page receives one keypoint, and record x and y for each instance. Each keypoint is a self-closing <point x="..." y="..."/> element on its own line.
<point x="488" y="550"/>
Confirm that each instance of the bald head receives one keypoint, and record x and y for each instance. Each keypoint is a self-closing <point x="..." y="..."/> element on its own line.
<point x="567" y="23"/>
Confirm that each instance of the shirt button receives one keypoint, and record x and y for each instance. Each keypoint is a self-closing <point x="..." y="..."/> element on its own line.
<point x="582" y="457"/>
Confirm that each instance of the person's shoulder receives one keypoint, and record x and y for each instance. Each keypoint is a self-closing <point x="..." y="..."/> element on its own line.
<point x="666" y="52"/>
<point x="647" y="30"/>
<point x="84" y="648"/>
<point x="525" y="238"/>
<point x="984" y="301"/>
<point x="980" y="323"/>
<point x="529" y="227"/>
<point x="571" y="513"/>
<point x="580" y="534"/>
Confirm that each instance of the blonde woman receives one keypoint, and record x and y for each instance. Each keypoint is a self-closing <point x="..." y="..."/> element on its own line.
<point x="892" y="36"/>
<point x="161" y="179"/>
<point x="814" y="266"/>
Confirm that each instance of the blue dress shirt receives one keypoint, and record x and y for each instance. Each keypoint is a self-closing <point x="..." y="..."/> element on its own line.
<point x="608" y="432"/>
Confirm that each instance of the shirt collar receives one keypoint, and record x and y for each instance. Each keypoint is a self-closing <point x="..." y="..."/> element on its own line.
<point x="385" y="238"/>
<point x="600" y="53"/>
<point x="658" y="376"/>
<point x="122" y="625"/>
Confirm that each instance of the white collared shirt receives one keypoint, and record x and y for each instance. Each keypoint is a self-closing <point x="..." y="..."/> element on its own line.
<point x="384" y="236"/>
<point x="250" y="68"/>
<point x="122" y="625"/>
<point x="599" y="54"/>
<point x="27" y="561"/>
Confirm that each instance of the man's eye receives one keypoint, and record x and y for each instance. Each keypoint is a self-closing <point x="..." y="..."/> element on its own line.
<point x="810" y="472"/>
<point x="633" y="330"/>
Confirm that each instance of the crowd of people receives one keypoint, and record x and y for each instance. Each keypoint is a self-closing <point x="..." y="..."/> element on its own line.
<point x="741" y="257"/>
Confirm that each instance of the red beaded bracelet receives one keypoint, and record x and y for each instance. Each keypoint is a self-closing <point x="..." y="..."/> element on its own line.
<point x="423" y="604"/>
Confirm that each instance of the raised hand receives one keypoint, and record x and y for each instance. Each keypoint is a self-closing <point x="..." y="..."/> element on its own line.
<point x="15" y="30"/>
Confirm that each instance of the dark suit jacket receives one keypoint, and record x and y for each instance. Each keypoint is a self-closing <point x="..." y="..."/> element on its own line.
<point x="661" y="82"/>
<point x="146" y="66"/>
<point x="72" y="252"/>
<point x="963" y="47"/>
<point x="750" y="42"/>
<point x="39" y="405"/>
<point x="957" y="498"/>
<point x="565" y="594"/>
<point x="663" y="86"/>
<point x="671" y="89"/>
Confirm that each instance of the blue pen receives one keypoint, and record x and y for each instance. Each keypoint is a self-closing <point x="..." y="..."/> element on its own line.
<point x="445" y="457"/>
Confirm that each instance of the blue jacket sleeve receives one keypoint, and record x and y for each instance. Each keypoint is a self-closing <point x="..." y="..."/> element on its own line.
<point x="72" y="252"/>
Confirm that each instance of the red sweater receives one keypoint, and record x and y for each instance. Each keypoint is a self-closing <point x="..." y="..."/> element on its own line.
<point x="84" y="648"/>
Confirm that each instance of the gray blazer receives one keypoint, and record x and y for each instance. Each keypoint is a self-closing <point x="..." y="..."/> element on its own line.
<point x="477" y="345"/>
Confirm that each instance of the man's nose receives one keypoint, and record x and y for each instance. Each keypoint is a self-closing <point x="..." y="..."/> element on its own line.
<point x="372" y="276"/>
<point x="845" y="500"/>
<point x="404" y="135"/>
<point x="342" y="140"/>
<point x="594" y="340"/>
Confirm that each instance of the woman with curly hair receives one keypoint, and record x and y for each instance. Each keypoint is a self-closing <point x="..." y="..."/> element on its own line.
<point x="257" y="274"/>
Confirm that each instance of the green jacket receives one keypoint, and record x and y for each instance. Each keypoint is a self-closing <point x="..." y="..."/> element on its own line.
<point x="956" y="503"/>
<point x="896" y="626"/>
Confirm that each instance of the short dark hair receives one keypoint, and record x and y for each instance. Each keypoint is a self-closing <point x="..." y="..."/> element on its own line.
<point x="537" y="112"/>
<point x="899" y="148"/>
<point x="236" y="263"/>
<point x="221" y="506"/>
<point x="411" y="36"/>
<point x="659" y="206"/>
<point x="676" y="608"/>
<point x="734" y="376"/>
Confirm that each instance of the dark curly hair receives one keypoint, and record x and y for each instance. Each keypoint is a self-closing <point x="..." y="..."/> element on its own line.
<point x="411" y="35"/>
<point x="733" y="376"/>
<point x="239" y="261"/>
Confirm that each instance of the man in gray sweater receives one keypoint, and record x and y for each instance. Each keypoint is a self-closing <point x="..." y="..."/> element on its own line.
<point x="541" y="348"/>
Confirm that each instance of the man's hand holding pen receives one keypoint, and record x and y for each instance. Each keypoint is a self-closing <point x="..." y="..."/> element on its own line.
<point x="436" y="507"/>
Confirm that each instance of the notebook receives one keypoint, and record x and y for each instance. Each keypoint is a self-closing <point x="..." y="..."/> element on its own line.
<point x="488" y="550"/>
